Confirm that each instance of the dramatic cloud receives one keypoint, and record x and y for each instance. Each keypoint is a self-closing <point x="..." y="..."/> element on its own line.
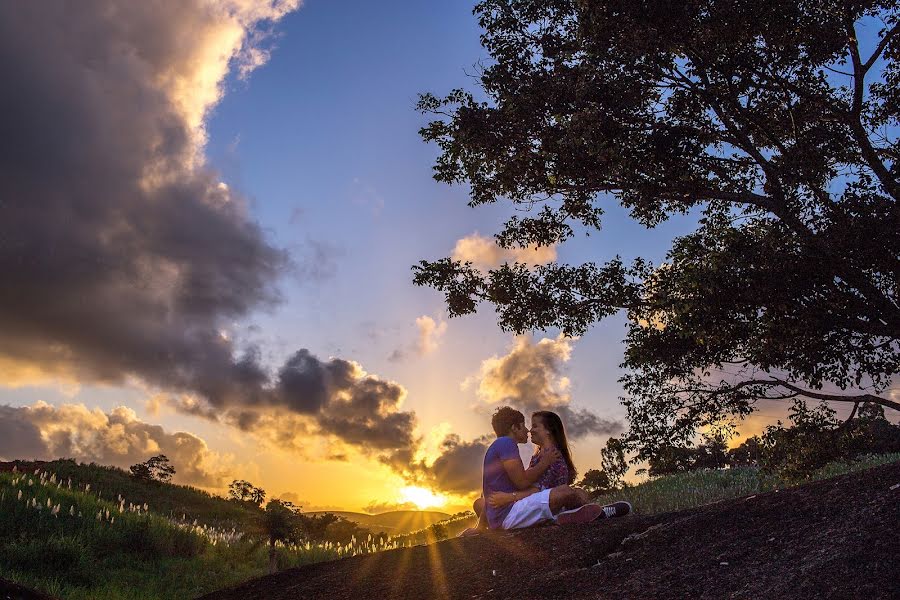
<point x="485" y="254"/>
<point x="118" y="438"/>
<point x="335" y="400"/>
<point x="123" y="255"/>
<point x="530" y="378"/>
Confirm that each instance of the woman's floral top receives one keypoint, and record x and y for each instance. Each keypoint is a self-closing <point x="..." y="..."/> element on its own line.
<point x="557" y="474"/>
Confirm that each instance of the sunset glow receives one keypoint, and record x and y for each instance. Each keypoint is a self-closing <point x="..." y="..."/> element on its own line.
<point x="422" y="497"/>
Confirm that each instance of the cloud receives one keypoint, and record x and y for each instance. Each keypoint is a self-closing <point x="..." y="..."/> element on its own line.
<point x="306" y="505"/>
<point x="430" y="334"/>
<point x="123" y="254"/>
<point x="319" y="261"/>
<point x="530" y="378"/>
<point x="335" y="400"/>
<point x="485" y="254"/>
<point x="45" y="432"/>
<point x="376" y="507"/>
<point x="428" y="338"/>
<point x="458" y="468"/>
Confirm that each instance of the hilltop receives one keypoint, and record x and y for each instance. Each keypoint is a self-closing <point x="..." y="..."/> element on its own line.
<point x="163" y="498"/>
<point x="834" y="538"/>
<point x="395" y="522"/>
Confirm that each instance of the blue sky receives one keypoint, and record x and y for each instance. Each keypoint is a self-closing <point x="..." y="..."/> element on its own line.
<point x="321" y="142"/>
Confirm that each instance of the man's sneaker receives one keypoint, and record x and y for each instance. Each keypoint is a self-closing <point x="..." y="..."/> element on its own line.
<point x="616" y="509"/>
<point x="592" y="512"/>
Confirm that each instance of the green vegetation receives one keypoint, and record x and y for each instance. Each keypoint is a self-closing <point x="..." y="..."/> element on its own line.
<point x="696" y="488"/>
<point x="66" y="530"/>
<point x="170" y="500"/>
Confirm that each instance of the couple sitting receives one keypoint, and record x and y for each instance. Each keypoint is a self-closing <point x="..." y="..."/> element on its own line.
<point x="515" y="497"/>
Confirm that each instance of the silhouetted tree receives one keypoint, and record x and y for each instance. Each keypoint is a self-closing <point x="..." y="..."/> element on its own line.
<point x="244" y="491"/>
<point x="815" y="438"/>
<point x="156" y="468"/>
<point x="278" y="523"/>
<point x="596" y="483"/>
<point x="613" y="461"/>
<point x="768" y="120"/>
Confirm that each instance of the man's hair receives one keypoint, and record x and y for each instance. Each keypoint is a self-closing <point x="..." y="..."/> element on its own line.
<point x="504" y="418"/>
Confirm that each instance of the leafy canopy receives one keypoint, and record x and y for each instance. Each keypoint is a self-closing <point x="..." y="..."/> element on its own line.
<point x="770" y="120"/>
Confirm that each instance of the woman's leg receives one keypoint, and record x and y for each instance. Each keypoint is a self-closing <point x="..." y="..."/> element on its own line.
<point x="564" y="497"/>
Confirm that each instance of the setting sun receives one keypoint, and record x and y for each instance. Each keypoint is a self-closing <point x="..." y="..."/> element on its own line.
<point x="422" y="497"/>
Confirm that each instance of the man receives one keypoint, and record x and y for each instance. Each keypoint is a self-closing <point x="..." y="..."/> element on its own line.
<point x="504" y="472"/>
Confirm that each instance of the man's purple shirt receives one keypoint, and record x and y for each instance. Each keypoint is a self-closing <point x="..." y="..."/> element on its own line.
<point x="495" y="479"/>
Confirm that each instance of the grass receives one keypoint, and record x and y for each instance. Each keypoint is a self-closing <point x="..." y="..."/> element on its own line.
<point x="76" y="543"/>
<point x="696" y="488"/>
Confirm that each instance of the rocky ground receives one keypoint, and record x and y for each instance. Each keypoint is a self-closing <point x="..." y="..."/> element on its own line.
<point x="838" y="538"/>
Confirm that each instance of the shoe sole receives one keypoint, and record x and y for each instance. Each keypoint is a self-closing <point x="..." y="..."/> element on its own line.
<point x="585" y="514"/>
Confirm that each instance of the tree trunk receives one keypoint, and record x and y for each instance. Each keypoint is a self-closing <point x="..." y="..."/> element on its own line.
<point x="273" y="557"/>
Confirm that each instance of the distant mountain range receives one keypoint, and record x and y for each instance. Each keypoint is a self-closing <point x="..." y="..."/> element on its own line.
<point x="393" y="522"/>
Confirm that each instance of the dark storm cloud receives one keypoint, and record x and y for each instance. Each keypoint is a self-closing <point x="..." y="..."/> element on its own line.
<point x="122" y="254"/>
<point x="458" y="468"/>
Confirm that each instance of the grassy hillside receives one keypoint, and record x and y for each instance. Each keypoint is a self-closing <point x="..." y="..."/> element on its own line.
<point x="105" y="538"/>
<point x="175" y="501"/>
<point x="84" y="532"/>
<point x="395" y="522"/>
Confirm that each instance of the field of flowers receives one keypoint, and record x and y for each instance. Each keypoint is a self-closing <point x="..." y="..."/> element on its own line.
<point x="71" y="542"/>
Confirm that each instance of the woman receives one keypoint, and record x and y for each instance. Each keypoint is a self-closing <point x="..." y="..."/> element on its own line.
<point x="547" y="432"/>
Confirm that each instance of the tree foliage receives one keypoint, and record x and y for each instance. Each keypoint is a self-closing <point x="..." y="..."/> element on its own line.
<point x="712" y="453"/>
<point x="772" y="122"/>
<point x="156" y="468"/>
<point x="596" y="483"/>
<point x="614" y="462"/>
<point x="244" y="491"/>
<point x="816" y="438"/>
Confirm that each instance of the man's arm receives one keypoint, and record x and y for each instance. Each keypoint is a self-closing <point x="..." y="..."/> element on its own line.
<point x="521" y="477"/>
<point x="500" y="499"/>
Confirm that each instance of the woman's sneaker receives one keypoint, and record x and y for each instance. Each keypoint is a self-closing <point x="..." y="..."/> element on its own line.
<point x="592" y="512"/>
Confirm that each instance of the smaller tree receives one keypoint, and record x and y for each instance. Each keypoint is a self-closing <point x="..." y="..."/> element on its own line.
<point x="244" y="491"/>
<point x="279" y="523"/>
<point x="612" y="458"/>
<point x="596" y="483"/>
<point x="157" y="468"/>
<point x="239" y="489"/>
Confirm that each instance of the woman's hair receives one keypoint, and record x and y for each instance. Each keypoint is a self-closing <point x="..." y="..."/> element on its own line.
<point x="553" y="424"/>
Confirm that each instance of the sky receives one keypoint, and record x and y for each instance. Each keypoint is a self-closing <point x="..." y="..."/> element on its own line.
<point x="210" y="213"/>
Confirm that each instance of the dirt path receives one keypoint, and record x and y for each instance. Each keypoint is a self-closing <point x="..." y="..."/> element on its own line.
<point x="838" y="538"/>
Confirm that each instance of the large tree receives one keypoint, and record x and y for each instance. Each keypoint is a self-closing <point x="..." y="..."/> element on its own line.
<point x="774" y="122"/>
